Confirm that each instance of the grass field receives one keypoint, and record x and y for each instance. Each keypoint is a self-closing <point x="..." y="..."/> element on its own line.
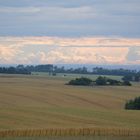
<point x="42" y="101"/>
<point x="72" y="76"/>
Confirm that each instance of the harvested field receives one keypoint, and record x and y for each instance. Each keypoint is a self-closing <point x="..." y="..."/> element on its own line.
<point x="42" y="101"/>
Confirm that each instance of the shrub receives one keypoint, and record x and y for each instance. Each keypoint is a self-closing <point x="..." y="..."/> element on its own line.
<point x="113" y="82"/>
<point x="133" y="104"/>
<point x="107" y="81"/>
<point x="81" y="81"/>
<point x="127" y="83"/>
<point x="101" y="80"/>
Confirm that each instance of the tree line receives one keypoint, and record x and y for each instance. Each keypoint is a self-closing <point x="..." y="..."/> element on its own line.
<point x="96" y="70"/>
<point x="21" y="69"/>
<point x="132" y="77"/>
<point x="129" y="75"/>
<point x="14" y="70"/>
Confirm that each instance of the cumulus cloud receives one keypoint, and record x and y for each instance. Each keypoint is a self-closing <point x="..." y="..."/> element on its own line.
<point x="34" y="50"/>
<point x="82" y="55"/>
<point x="133" y="55"/>
<point x="8" y="54"/>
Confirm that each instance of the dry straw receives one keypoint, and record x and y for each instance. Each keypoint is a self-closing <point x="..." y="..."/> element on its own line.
<point x="71" y="132"/>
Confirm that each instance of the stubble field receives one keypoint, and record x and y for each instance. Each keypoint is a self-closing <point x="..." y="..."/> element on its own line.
<point x="42" y="101"/>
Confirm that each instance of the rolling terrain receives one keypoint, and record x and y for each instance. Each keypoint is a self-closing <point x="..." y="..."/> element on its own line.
<point x="42" y="101"/>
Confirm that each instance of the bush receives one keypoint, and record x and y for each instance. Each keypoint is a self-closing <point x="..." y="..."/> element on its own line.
<point x="127" y="83"/>
<point x="101" y="80"/>
<point x="107" y="81"/>
<point x="113" y="82"/>
<point x="133" y="104"/>
<point x="81" y="81"/>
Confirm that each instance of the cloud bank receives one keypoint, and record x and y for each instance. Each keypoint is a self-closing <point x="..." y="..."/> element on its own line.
<point x="35" y="50"/>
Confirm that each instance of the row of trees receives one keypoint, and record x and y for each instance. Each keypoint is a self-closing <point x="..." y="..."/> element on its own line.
<point x="129" y="75"/>
<point x="132" y="77"/>
<point x="14" y="70"/>
<point x="96" y="70"/>
<point x="101" y="81"/>
<point x="40" y="68"/>
<point x="120" y="72"/>
<point x="21" y="69"/>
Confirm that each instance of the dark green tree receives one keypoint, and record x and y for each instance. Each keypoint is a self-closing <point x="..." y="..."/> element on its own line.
<point x="133" y="104"/>
<point x="101" y="80"/>
<point x="81" y="81"/>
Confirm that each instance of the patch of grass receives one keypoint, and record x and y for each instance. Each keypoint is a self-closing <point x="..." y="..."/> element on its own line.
<point x="67" y="76"/>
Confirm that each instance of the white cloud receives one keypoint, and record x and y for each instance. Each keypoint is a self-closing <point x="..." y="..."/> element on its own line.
<point x="133" y="55"/>
<point x="71" y="42"/>
<point x="88" y="55"/>
<point x="33" y="50"/>
<point x="19" y="10"/>
<point x="8" y="54"/>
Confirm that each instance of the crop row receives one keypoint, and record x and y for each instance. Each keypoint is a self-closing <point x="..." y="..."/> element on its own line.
<point x="70" y="132"/>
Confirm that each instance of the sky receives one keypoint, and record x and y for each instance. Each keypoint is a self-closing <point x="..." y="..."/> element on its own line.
<point x="70" y="31"/>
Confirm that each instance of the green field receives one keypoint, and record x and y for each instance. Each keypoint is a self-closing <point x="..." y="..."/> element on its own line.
<point x="72" y="76"/>
<point x="42" y="101"/>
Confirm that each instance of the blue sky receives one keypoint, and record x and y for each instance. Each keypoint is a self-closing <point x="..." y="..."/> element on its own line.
<point x="70" y="18"/>
<point x="22" y="20"/>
